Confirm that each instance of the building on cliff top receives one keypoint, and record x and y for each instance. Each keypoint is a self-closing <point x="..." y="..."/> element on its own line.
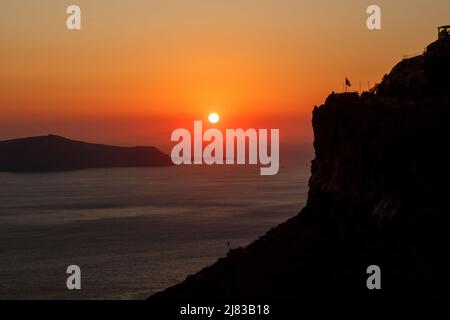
<point x="444" y="32"/>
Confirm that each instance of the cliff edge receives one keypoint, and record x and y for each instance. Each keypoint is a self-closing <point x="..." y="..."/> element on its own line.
<point x="379" y="195"/>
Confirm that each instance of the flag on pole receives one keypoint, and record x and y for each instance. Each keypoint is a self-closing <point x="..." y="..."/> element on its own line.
<point x="347" y="82"/>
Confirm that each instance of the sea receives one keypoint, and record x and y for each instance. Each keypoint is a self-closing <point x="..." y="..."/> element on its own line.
<point x="134" y="231"/>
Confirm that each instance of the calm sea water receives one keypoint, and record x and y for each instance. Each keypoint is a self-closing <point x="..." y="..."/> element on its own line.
<point x="133" y="231"/>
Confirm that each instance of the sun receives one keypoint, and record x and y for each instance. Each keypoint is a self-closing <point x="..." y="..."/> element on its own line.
<point x="213" y="117"/>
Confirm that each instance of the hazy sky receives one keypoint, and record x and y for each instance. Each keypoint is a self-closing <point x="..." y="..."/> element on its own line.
<point x="139" y="69"/>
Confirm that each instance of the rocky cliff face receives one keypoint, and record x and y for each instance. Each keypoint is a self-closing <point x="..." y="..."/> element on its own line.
<point x="379" y="195"/>
<point x="427" y="75"/>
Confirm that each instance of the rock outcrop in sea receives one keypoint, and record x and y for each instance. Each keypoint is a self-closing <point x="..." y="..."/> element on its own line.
<point x="56" y="153"/>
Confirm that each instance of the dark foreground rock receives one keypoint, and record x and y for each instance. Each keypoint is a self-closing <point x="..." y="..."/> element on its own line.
<point x="55" y="153"/>
<point x="379" y="195"/>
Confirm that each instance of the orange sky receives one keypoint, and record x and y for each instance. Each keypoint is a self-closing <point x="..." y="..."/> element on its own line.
<point x="139" y="69"/>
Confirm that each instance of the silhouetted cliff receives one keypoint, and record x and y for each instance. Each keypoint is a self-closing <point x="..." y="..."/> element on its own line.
<point x="427" y="75"/>
<point x="54" y="153"/>
<point x="379" y="195"/>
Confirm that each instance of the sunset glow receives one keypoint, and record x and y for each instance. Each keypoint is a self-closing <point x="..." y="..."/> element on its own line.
<point x="165" y="62"/>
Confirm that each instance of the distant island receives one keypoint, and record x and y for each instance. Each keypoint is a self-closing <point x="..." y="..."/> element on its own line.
<point x="56" y="153"/>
